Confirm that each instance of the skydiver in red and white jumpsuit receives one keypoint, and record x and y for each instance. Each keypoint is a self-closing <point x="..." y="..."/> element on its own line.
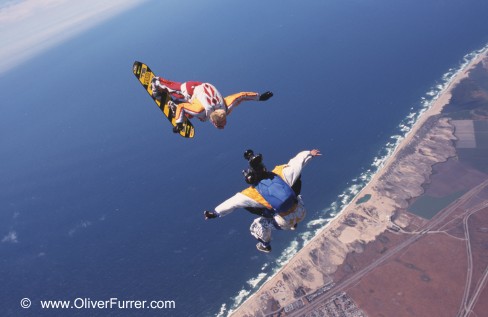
<point x="202" y="100"/>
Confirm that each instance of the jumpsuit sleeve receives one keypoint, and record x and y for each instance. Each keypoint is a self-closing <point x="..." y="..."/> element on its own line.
<point x="294" y="167"/>
<point x="234" y="100"/>
<point x="180" y="112"/>
<point x="237" y="201"/>
<point x="190" y="108"/>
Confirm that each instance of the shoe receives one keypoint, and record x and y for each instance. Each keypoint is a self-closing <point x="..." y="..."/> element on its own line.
<point x="153" y="84"/>
<point x="155" y="93"/>
<point x="172" y="107"/>
<point x="178" y="128"/>
<point x="266" y="248"/>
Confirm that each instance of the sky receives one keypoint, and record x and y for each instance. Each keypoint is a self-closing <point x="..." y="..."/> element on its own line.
<point x="29" y="27"/>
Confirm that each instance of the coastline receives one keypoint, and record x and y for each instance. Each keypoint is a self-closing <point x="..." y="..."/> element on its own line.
<point x="362" y="220"/>
<point x="435" y="109"/>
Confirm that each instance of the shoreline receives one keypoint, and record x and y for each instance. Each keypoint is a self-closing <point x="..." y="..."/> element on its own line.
<point x="334" y="241"/>
<point x="435" y="108"/>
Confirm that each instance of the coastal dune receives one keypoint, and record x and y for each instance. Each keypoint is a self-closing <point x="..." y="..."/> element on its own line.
<point x="370" y="213"/>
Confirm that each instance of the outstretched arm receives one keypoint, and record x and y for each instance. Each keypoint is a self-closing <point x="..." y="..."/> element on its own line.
<point x="294" y="167"/>
<point x="234" y="100"/>
<point x="237" y="201"/>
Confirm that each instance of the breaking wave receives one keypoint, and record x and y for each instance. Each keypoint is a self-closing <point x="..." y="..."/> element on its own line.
<point x="315" y="226"/>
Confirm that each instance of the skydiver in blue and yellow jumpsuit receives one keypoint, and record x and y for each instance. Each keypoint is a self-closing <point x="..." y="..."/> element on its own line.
<point x="274" y="195"/>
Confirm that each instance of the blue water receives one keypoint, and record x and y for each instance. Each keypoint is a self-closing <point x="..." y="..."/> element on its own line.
<point x="99" y="199"/>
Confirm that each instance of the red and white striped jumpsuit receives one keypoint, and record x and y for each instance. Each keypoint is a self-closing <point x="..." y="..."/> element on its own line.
<point x="200" y="99"/>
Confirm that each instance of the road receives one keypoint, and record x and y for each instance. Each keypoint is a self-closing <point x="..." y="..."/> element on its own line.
<point x="343" y="286"/>
<point x="468" y="304"/>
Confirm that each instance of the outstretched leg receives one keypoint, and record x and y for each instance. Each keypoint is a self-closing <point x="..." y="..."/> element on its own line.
<point x="159" y="84"/>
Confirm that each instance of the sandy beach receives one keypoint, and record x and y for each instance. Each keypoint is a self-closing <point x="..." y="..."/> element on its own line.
<point x="371" y="212"/>
<point x="434" y="109"/>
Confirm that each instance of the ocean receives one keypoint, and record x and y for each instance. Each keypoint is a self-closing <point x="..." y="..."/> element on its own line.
<point x="99" y="199"/>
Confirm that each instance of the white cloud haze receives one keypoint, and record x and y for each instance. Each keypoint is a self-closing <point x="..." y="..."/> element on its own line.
<point x="29" y="27"/>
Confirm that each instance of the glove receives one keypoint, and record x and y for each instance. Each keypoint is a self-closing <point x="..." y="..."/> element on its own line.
<point x="265" y="96"/>
<point x="210" y="214"/>
<point x="178" y="128"/>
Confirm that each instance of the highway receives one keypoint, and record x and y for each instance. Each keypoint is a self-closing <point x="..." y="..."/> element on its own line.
<point x="468" y="304"/>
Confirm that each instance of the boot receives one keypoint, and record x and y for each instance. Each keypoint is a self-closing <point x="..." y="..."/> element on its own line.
<point x="263" y="247"/>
